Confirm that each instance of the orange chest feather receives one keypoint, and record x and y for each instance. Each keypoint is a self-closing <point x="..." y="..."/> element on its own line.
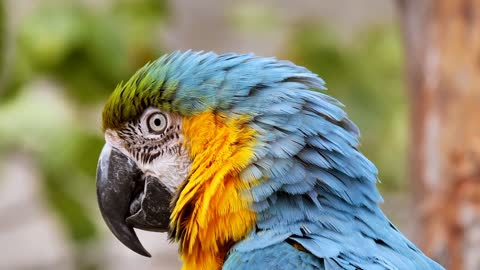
<point x="212" y="210"/>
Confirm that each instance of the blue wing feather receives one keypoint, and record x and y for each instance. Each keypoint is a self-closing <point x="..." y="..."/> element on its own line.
<point x="324" y="188"/>
<point x="279" y="256"/>
<point x="311" y="184"/>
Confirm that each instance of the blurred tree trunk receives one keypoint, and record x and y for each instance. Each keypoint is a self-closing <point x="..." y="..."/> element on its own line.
<point x="442" y="40"/>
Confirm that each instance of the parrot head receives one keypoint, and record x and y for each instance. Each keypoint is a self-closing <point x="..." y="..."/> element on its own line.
<point x="212" y="148"/>
<point x="140" y="167"/>
<point x="179" y="134"/>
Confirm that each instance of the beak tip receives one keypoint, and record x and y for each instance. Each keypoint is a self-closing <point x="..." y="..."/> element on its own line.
<point x="133" y="243"/>
<point x="128" y="237"/>
<point x="142" y="251"/>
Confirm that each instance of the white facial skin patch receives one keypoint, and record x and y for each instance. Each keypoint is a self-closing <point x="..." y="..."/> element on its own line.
<point x="157" y="153"/>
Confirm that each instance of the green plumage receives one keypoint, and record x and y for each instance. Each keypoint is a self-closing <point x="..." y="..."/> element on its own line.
<point x="147" y="87"/>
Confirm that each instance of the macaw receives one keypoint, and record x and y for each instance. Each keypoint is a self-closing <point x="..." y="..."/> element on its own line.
<point x="247" y="164"/>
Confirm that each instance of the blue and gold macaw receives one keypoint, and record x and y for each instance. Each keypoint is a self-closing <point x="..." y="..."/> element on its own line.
<point x="247" y="165"/>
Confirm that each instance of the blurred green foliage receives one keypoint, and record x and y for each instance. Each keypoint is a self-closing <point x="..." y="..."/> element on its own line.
<point x="254" y="17"/>
<point x="364" y="73"/>
<point x="2" y="41"/>
<point x="89" y="51"/>
<point x="67" y="59"/>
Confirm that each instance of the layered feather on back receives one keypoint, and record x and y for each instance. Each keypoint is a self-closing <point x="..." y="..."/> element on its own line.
<point x="316" y="189"/>
<point x="313" y="192"/>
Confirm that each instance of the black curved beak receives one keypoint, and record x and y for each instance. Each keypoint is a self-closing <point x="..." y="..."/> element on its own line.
<point x="127" y="198"/>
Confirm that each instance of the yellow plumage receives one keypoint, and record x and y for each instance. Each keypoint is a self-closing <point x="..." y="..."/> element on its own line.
<point x="212" y="205"/>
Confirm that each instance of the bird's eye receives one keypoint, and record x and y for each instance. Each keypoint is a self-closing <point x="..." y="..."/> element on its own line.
<point x="157" y="122"/>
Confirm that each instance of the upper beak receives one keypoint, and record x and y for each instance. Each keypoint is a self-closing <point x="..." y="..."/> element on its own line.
<point x="120" y="183"/>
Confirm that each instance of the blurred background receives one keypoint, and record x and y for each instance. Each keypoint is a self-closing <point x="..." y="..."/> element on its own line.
<point x="59" y="60"/>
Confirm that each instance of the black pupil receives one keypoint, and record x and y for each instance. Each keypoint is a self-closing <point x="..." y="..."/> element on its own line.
<point x="157" y="122"/>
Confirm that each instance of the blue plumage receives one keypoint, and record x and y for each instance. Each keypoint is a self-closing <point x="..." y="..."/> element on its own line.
<point x="279" y="256"/>
<point x="317" y="189"/>
<point x="316" y="203"/>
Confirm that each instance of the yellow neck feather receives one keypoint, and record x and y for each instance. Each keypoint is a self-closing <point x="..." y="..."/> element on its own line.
<point x="212" y="210"/>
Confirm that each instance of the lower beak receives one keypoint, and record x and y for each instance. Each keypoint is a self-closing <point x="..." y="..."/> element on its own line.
<point x="128" y="199"/>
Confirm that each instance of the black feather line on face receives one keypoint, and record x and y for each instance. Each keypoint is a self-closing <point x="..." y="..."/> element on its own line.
<point x="145" y="150"/>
